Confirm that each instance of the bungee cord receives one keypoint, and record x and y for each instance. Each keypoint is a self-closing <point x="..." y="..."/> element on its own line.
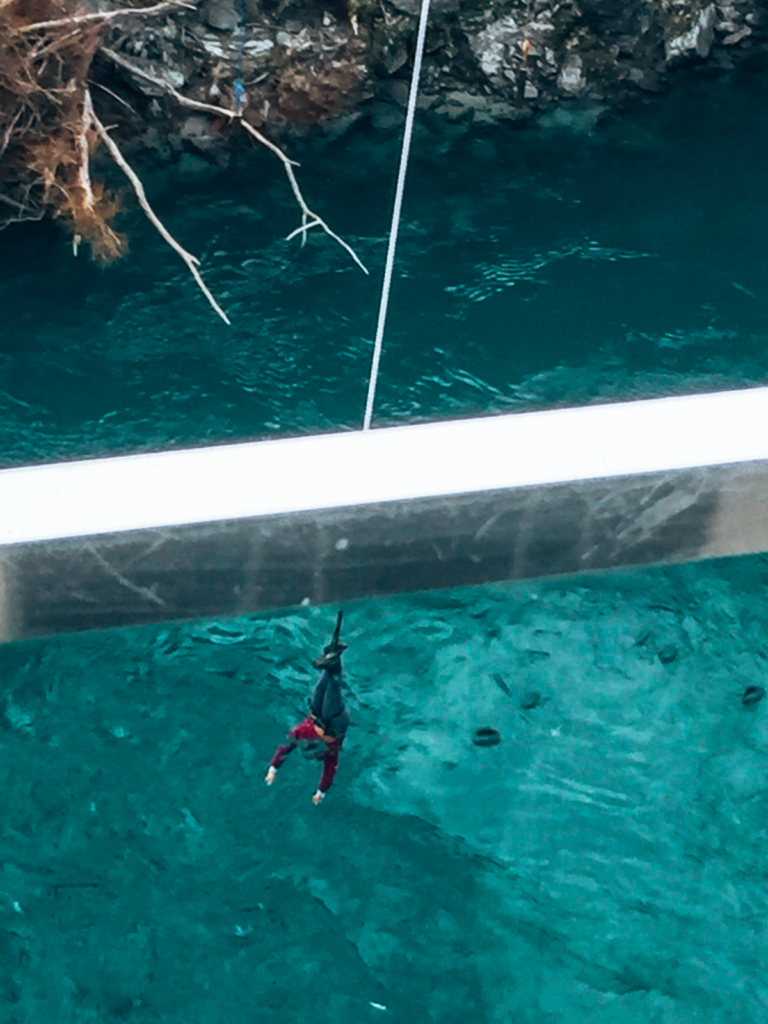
<point x="393" y="231"/>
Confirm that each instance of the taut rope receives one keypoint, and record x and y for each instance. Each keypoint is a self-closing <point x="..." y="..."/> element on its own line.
<point x="412" y="97"/>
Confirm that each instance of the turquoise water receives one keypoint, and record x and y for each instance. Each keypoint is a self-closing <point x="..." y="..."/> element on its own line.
<point x="537" y="268"/>
<point x="604" y="863"/>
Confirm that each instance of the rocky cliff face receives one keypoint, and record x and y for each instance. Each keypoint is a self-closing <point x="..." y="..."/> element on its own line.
<point x="171" y="78"/>
<point x="321" y="62"/>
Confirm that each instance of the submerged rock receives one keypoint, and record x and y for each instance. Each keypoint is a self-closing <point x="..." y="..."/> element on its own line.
<point x="752" y="695"/>
<point x="486" y="736"/>
<point x="532" y="699"/>
<point x="667" y="654"/>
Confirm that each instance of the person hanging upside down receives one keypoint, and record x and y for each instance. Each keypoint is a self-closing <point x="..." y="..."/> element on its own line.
<point x="327" y="721"/>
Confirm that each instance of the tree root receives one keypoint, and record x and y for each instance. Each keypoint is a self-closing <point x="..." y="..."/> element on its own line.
<point x="191" y="261"/>
<point x="49" y="130"/>
<point x="101" y="16"/>
<point x="308" y="218"/>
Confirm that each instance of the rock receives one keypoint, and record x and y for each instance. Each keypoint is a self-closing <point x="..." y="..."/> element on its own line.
<point x="758" y="20"/>
<point x="197" y="131"/>
<point x="570" y="78"/>
<point x="308" y="94"/>
<point x="736" y="37"/>
<point x="667" y="654"/>
<point x="697" y="41"/>
<point x="174" y="76"/>
<point x="257" y="47"/>
<point x="172" y="73"/>
<point x="385" y="116"/>
<point x="435" y="7"/>
<point x="216" y="47"/>
<point x="532" y="699"/>
<point x="497" y="111"/>
<point x="510" y="60"/>
<point x="486" y="736"/>
<point x="643" y="637"/>
<point x="222" y="14"/>
<point x="191" y="166"/>
<point x="752" y="695"/>
<point x="492" y="45"/>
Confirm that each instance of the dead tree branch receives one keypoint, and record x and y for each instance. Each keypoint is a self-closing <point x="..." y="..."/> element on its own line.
<point x="308" y="218"/>
<point x="25" y="210"/>
<point x="83" y="172"/>
<point x="79" y="19"/>
<point x="191" y="261"/>
<point x="123" y="62"/>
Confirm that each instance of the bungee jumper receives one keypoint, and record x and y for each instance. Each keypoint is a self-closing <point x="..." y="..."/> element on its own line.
<point x="327" y="721"/>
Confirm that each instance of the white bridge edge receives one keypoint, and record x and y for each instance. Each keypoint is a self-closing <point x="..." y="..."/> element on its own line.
<point x="355" y="468"/>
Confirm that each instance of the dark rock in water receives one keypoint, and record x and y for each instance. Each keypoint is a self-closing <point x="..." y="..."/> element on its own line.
<point x="529" y="655"/>
<point x="530" y="700"/>
<point x="486" y="736"/>
<point x="500" y="682"/>
<point x="643" y="637"/>
<point x="752" y="695"/>
<point x="667" y="654"/>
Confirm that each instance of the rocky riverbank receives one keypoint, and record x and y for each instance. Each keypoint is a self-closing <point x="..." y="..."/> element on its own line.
<point x="169" y="79"/>
<point x="324" y="63"/>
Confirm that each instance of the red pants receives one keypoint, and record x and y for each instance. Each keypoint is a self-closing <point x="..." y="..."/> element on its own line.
<point x="305" y="732"/>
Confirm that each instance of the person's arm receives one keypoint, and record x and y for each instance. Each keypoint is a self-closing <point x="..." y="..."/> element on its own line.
<point x="330" y="762"/>
<point x="280" y="755"/>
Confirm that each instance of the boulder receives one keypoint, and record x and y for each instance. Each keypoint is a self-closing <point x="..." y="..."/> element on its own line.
<point x="222" y="15"/>
<point x="697" y="40"/>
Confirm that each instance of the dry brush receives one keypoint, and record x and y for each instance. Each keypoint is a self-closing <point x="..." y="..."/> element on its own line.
<point x="49" y="128"/>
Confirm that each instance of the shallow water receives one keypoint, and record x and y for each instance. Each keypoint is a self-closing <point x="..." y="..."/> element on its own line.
<point x="605" y="861"/>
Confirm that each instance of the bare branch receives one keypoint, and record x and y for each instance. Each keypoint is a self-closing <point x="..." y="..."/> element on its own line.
<point x="83" y="171"/>
<point x="302" y="230"/>
<point x="306" y="214"/>
<point x="25" y="210"/>
<point x="165" y="86"/>
<point x="13" y="202"/>
<point x="114" y="96"/>
<point x="9" y="130"/>
<point x="191" y="261"/>
<point x="79" y="19"/>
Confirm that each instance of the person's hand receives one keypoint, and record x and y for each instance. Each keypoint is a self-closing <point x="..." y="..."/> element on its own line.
<point x="271" y="775"/>
<point x="318" y="797"/>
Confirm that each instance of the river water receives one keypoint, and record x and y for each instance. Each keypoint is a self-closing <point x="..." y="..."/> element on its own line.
<point x="605" y="861"/>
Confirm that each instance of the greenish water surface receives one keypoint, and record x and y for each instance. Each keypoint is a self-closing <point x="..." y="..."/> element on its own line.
<point x="604" y="863"/>
<point x="536" y="268"/>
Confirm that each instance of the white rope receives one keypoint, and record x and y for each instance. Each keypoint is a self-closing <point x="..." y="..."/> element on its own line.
<point x="409" y="117"/>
